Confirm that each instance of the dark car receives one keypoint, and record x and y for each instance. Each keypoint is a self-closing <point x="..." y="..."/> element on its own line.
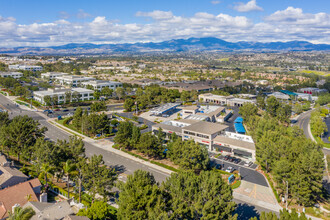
<point x="218" y="166"/>
<point x="231" y="159"/>
<point x="237" y="160"/>
<point x="57" y="110"/>
<point x="65" y="110"/>
<point x="226" y="157"/>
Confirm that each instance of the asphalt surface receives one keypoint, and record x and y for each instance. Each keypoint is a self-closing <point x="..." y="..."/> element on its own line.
<point x="303" y="121"/>
<point x="248" y="174"/>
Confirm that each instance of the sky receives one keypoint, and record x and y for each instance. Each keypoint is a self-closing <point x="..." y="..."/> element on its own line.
<point x="58" y="22"/>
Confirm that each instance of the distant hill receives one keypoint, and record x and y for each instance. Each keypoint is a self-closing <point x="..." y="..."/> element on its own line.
<point x="178" y="45"/>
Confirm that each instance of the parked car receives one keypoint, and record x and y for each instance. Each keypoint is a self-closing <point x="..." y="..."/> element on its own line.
<point x="65" y="110"/>
<point x="248" y="164"/>
<point x="237" y="160"/>
<point x="57" y="110"/>
<point x="69" y="114"/>
<point x="230" y="169"/>
<point x="218" y="166"/>
<point x="231" y="159"/>
<point x="226" y="157"/>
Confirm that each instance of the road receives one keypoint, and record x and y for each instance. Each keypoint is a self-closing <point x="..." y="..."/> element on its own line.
<point x="303" y="121"/>
<point x="122" y="164"/>
<point x="140" y="120"/>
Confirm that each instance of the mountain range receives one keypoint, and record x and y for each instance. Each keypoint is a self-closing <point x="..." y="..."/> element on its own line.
<point x="210" y="44"/>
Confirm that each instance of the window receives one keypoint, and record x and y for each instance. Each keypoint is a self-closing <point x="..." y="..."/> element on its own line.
<point x="190" y="133"/>
<point x="203" y="136"/>
<point x="85" y="95"/>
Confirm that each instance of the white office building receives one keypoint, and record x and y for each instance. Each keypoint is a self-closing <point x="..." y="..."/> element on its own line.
<point x="73" y="81"/>
<point x="225" y="100"/>
<point x="100" y="84"/>
<point x="52" y="75"/>
<point x="25" y="67"/>
<point x="15" y="75"/>
<point x="83" y="94"/>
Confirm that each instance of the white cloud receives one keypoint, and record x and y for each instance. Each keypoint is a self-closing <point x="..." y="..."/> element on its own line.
<point x="64" y="15"/>
<point x="82" y="14"/>
<point x="285" y="25"/>
<point x="215" y="2"/>
<point x="157" y="15"/>
<point x="249" y="6"/>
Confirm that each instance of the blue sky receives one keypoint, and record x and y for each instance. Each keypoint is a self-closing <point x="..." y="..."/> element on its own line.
<point x="44" y="22"/>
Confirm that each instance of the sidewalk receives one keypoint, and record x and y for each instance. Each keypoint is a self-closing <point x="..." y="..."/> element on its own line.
<point x="107" y="145"/>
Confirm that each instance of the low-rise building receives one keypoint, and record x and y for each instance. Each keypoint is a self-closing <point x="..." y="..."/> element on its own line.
<point x="72" y="80"/>
<point x="239" y="146"/>
<point x="203" y="113"/>
<point x="15" y="75"/>
<point x="225" y="100"/>
<point x="201" y="132"/>
<point x="100" y="84"/>
<point x="52" y="75"/>
<point x="63" y="94"/>
<point x="312" y="91"/>
<point x="25" y="67"/>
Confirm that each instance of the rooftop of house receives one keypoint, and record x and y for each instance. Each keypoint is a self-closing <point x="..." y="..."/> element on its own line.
<point x="18" y="194"/>
<point x="50" y="211"/>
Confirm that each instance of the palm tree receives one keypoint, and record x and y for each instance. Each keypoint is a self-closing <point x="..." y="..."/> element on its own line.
<point x="21" y="214"/>
<point x="46" y="171"/>
<point x="69" y="169"/>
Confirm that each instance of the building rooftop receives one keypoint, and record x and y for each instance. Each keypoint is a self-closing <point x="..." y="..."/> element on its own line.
<point x="100" y="82"/>
<point x="235" y="142"/>
<point x="206" y="127"/>
<point x="169" y="127"/>
<point x="17" y="195"/>
<point x="54" y="211"/>
<point x="164" y="108"/>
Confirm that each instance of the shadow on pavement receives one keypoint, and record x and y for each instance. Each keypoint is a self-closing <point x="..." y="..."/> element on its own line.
<point x="119" y="168"/>
<point x="245" y="211"/>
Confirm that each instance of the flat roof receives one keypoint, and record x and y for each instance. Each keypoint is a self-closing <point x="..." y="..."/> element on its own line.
<point x="164" y="108"/>
<point x="177" y="130"/>
<point x="238" y="120"/>
<point x="235" y="142"/>
<point x="205" y="127"/>
<point x="190" y="107"/>
<point x="239" y="128"/>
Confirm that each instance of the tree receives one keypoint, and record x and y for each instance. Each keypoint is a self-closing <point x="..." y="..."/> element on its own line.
<point x="55" y="99"/>
<point x="77" y="118"/>
<point x="272" y="104"/>
<point x="97" y="95"/>
<point x="185" y="96"/>
<point x="124" y="133"/>
<point x="150" y="145"/>
<point x="188" y="155"/>
<point x="120" y="92"/>
<point x="140" y="196"/>
<point x="68" y="97"/>
<point x="106" y="91"/>
<point x="98" y="106"/>
<point x="284" y="215"/>
<point x="48" y="100"/>
<point x="21" y="213"/>
<point x="261" y="102"/>
<point x="99" y="210"/>
<point x="98" y="178"/>
<point x="75" y="96"/>
<point x="136" y="134"/>
<point x="21" y="134"/>
<point x="128" y="104"/>
<point x="248" y="110"/>
<point x="69" y="169"/>
<point x="203" y="196"/>
<point x="46" y="171"/>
